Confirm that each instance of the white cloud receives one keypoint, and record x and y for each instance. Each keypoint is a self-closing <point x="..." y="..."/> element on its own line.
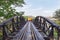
<point x="35" y="12"/>
<point x="41" y="11"/>
<point x="25" y="8"/>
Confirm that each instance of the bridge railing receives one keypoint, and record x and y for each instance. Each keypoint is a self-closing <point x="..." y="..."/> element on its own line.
<point x="10" y="27"/>
<point x="51" y="29"/>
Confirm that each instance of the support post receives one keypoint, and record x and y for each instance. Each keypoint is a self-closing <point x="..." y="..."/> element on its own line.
<point x="52" y="34"/>
<point x="4" y="32"/>
<point x="59" y="34"/>
<point x="13" y="25"/>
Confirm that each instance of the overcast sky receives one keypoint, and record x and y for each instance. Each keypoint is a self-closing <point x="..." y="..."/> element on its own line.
<point x="40" y="7"/>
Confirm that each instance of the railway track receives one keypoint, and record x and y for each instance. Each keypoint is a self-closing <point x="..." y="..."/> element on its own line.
<point x="28" y="32"/>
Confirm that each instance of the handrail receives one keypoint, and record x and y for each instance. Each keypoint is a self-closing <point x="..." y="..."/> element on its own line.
<point x="51" y="22"/>
<point x="11" y="26"/>
<point x="49" y="27"/>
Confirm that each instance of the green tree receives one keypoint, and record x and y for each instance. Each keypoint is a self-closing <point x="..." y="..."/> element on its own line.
<point x="19" y="13"/>
<point x="57" y="14"/>
<point x="5" y="7"/>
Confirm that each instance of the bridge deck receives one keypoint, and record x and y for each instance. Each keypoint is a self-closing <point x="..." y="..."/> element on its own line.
<point x="28" y="32"/>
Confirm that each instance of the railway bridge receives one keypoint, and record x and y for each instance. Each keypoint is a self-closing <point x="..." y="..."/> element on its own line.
<point x="40" y="28"/>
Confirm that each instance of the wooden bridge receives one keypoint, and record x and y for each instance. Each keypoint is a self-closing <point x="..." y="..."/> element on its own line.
<point x="40" y="28"/>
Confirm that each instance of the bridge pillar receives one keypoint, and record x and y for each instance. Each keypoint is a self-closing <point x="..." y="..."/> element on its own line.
<point x="13" y="25"/>
<point x="4" y="32"/>
<point x="59" y="34"/>
<point x="40" y="23"/>
<point x="17" y="22"/>
<point x="52" y="34"/>
<point x="22" y="21"/>
<point x="44" y="25"/>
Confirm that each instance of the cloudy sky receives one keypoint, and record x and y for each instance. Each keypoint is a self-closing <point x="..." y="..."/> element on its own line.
<point x="40" y="7"/>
